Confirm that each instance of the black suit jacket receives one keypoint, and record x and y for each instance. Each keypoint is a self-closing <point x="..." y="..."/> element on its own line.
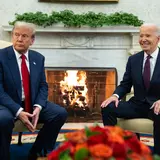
<point x="10" y="81"/>
<point x="133" y="77"/>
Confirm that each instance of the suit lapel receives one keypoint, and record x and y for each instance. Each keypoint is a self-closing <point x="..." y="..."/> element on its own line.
<point x="156" y="72"/>
<point x="139" y="67"/>
<point x="13" y="66"/>
<point x="33" y="69"/>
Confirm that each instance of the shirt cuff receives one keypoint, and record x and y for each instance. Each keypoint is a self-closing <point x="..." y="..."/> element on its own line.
<point x="116" y="95"/>
<point x="39" y="106"/>
<point x="19" y="111"/>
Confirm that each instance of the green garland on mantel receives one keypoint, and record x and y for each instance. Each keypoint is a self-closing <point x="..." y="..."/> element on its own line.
<point x="70" y="19"/>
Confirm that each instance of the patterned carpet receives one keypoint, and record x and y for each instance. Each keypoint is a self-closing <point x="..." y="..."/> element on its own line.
<point x="68" y="127"/>
<point x="30" y="138"/>
<point x="147" y="139"/>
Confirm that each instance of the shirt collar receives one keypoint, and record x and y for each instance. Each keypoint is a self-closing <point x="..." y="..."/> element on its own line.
<point x="18" y="55"/>
<point x="153" y="55"/>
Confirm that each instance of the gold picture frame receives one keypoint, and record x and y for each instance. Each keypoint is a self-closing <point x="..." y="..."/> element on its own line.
<point x="78" y="0"/>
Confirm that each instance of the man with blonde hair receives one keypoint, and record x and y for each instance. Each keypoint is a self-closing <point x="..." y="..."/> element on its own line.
<point x="24" y="93"/>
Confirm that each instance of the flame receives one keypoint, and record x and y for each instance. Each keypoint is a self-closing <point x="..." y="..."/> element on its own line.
<point x="74" y="89"/>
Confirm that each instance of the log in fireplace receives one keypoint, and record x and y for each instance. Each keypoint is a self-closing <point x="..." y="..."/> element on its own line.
<point x="81" y="90"/>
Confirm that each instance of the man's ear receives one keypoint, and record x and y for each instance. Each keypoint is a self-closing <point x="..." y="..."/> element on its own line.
<point x="158" y="41"/>
<point x="32" y="41"/>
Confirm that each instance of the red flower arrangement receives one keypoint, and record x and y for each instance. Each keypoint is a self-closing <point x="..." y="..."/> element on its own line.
<point x="101" y="143"/>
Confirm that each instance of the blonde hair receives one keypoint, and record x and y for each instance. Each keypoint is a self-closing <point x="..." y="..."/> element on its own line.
<point x="31" y="26"/>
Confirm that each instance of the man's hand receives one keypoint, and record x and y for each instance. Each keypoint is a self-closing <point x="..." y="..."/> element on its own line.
<point x="113" y="98"/>
<point x="156" y="107"/>
<point x="35" y="117"/>
<point x="24" y="117"/>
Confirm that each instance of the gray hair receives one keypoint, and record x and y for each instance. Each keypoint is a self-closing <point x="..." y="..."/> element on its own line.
<point x="30" y="26"/>
<point x="157" y="29"/>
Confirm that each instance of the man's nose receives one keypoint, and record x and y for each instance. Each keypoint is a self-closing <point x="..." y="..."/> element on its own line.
<point x="20" y="38"/>
<point x="144" y="39"/>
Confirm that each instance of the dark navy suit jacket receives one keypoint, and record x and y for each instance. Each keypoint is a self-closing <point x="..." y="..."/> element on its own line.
<point x="10" y="81"/>
<point x="133" y="77"/>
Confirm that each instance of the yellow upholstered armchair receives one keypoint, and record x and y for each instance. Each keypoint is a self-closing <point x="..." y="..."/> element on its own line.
<point x="136" y="125"/>
<point x="4" y="44"/>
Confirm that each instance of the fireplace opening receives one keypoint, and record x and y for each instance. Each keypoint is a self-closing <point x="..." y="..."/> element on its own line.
<point x="81" y="90"/>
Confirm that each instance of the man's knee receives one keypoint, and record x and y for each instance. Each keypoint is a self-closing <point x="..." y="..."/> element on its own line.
<point x="63" y="114"/>
<point x="58" y="111"/>
<point x="110" y="107"/>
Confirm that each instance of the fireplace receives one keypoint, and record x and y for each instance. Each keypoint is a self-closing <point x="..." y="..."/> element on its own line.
<point x="81" y="90"/>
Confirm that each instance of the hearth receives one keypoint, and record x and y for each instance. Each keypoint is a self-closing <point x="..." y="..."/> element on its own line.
<point x="81" y="90"/>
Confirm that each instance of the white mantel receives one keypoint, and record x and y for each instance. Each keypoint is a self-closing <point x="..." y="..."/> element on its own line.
<point x="107" y="46"/>
<point x="85" y="29"/>
<point x="87" y="33"/>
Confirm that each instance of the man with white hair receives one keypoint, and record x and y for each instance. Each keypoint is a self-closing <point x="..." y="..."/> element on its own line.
<point x="143" y="73"/>
<point x="24" y="93"/>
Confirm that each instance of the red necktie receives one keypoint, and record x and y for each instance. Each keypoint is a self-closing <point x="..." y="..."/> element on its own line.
<point x="147" y="72"/>
<point x="26" y="84"/>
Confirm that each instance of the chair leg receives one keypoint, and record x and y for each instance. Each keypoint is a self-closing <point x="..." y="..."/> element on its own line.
<point x="138" y="135"/>
<point x="20" y="138"/>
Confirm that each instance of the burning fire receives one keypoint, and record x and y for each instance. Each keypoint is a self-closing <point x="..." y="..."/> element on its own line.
<point x="74" y="89"/>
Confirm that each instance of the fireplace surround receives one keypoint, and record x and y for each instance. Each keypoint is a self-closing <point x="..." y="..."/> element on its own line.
<point x="81" y="90"/>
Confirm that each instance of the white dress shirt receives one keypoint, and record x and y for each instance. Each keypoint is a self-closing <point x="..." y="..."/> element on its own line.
<point x="153" y="60"/>
<point x="19" y="60"/>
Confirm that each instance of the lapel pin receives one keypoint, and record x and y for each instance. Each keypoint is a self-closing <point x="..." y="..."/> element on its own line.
<point x="34" y="63"/>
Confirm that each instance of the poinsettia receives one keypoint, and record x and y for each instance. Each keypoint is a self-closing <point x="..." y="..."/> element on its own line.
<point x="101" y="143"/>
